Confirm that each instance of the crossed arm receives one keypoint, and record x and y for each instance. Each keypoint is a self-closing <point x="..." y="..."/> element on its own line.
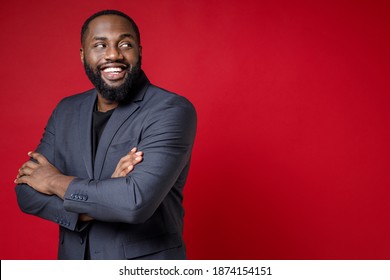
<point x="167" y="140"/>
<point x="45" y="178"/>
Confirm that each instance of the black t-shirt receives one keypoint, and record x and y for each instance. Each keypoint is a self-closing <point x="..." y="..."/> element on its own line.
<point x="99" y="121"/>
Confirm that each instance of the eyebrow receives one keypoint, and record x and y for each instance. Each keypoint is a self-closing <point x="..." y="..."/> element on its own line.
<point x="98" y="38"/>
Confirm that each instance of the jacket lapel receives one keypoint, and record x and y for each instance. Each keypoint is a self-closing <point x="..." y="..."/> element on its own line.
<point x="85" y="130"/>
<point x="118" y="117"/>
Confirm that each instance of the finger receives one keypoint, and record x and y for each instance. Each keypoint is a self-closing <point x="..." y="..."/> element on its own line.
<point x="139" y="155"/>
<point x="133" y="151"/>
<point x="85" y="218"/>
<point x="126" y="168"/>
<point x="128" y="162"/>
<point x="124" y="159"/>
<point x="130" y="168"/>
<point x="22" y="180"/>
<point x="38" y="157"/>
<point x="126" y="171"/>
<point x="20" y="172"/>
<point x="25" y="171"/>
<point x="123" y="164"/>
<point x="29" y="165"/>
<point x="120" y="167"/>
<point x="131" y="159"/>
<point x="119" y="174"/>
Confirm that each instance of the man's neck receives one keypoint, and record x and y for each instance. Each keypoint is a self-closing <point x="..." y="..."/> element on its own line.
<point x="103" y="105"/>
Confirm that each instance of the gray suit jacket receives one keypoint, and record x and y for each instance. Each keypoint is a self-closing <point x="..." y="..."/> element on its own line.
<point x="139" y="216"/>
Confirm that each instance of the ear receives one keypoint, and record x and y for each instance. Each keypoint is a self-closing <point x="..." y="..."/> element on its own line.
<point x="82" y="55"/>
<point x="140" y="50"/>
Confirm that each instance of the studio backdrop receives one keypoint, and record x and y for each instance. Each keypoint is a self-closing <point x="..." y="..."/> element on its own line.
<point x="292" y="157"/>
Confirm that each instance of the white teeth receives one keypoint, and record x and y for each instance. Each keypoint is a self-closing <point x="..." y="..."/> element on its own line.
<point x="112" y="69"/>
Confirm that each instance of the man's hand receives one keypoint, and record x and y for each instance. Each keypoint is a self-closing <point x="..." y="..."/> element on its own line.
<point x="47" y="179"/>
<point x="126" y="164"/>
<point x="43" y="176"/>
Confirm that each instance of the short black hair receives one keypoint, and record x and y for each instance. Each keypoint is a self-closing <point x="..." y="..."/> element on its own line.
<point x="84" y="28"/>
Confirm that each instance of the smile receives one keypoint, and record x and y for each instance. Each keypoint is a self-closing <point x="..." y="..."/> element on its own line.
<point x="113" y="70"/>
<point x="113" y="73"/>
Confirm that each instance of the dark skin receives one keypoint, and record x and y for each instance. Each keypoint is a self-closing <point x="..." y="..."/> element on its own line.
<point x="110" y="42"/>
<point x="111" y="46"/>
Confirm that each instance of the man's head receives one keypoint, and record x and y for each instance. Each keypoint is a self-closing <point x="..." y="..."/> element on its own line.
<point x="111" y="53"/>
<point x="84" y="28"/>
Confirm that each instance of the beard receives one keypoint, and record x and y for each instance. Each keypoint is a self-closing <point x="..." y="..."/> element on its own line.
<point x="120" y="93"/>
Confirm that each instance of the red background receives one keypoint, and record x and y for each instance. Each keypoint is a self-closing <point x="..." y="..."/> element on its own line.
<point x="292" y="153"/>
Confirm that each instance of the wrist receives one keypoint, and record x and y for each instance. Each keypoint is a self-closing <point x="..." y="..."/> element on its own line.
<point x="59" y="183"/>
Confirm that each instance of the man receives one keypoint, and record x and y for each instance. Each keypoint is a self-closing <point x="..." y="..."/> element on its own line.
<point x="79" y="177"/>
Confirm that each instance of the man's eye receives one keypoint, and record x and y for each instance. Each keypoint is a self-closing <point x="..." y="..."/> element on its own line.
<point x="100" y="45"/>
<point x="126" y="45"/>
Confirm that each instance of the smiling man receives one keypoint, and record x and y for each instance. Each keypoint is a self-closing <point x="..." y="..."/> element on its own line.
<point x="111" y="55"/>
<point x="109" y="200"/>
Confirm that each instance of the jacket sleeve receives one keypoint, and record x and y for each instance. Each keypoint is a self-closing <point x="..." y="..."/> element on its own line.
<point x="167" y="140"/>
<point x="49" y="207"/>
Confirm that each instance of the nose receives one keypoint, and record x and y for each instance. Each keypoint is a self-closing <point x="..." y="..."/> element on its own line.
<point x="113" y="53"/>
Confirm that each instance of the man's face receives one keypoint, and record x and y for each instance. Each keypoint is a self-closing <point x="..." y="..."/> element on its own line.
<point x="111" y="55"/>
